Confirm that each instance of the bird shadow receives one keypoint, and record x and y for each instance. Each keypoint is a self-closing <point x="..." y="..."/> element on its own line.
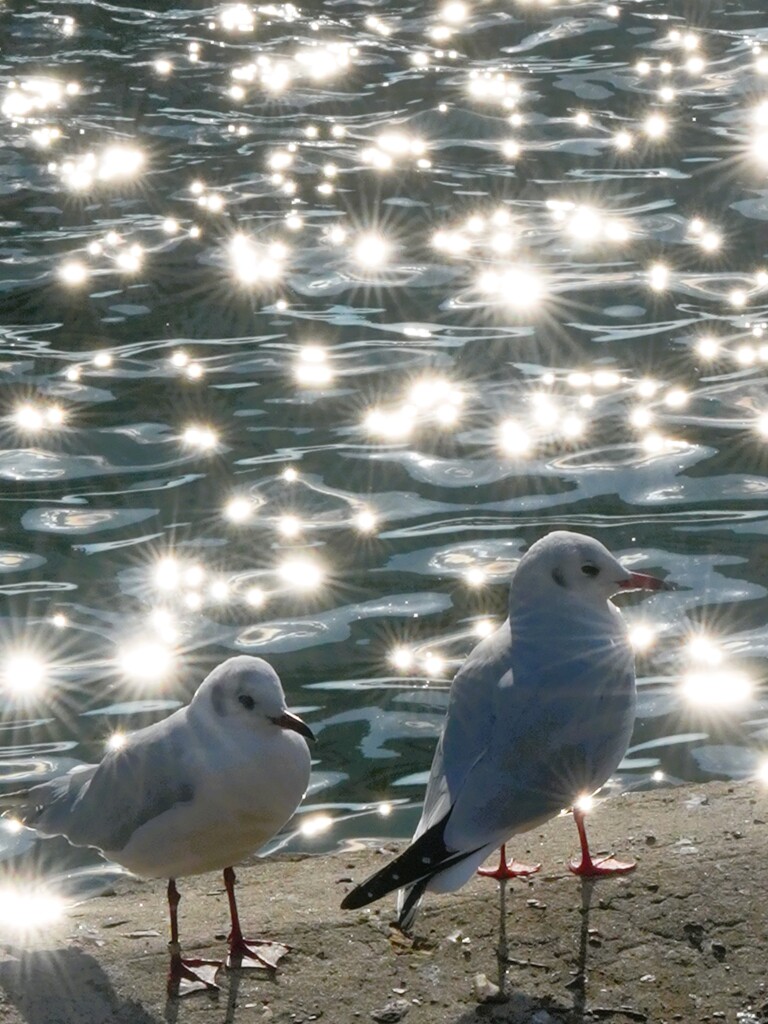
<point x="68" y="986"/>
<point x="65" y="986"/>
<point x="521" y="1008"/>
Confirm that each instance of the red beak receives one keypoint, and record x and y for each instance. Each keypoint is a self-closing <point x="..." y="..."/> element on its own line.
<point x="639" y="581"/>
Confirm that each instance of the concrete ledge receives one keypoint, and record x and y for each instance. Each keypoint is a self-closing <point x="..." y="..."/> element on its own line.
<point x="683" y="938"/>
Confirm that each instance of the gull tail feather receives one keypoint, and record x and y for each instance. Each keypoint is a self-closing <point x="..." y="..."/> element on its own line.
<point x="422" y="860"/>
<point x="47" y="807"/>
<point x="408" y="903"/>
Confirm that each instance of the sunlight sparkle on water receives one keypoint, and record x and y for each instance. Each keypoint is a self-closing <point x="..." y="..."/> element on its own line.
<point x="640" y="417"/>
<point x="658" y="277"/>
<point x="29" y="907"/>
<point x="716" y="687"/>
<point x="167" y="573"/>
<point x="394" y="425"/>
<point x="146" y="660"/>
<point x="516" y="287"/>
<point x="312" y="369"/>
<point x="23" y="673"/>
<point x="402" y="658"/>
<point x="256" y="263"/>
<point x="237" y="18"/>
<point x="493" y="87"/>
<point x="642" y="637"/>
<point x="73" y="272"/>
<point x="116" y="741"/>
<point x="475" y="576"/>
<point x="371" y="251"/>
<point x="375" y="24"/>
<point x="365" y="520"/>
<point x="290" y="526"/>
<point x="301" y="573"/>
<point x="761" y="425"/>
<point x="514" y="438"/>
<point x="655" y="126"/>
<point x="314" y="825"/>
<point x="324" y="61"/>
<point x="120" y="162"/>
<point x="201" y="437"/>
<point x="704" y="649"/>
<point x="255" y="597"/>
<point x="708" y="347"/>
<point x="32" y="96"/>
<point x="35" y="418"/>
<point x="483" y="627"/>
<point x="238" y="510"/>
<point x="434" y="665"/>
<point x="163" y="622"/>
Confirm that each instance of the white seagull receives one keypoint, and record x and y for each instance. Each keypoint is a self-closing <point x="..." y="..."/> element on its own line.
<point x="540" y="713"/>
<point x="196" y="792"/>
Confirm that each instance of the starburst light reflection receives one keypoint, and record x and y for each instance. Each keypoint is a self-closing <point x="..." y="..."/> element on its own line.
<point x="315" y="824"/>
<point x="371" y="251"/>
<point x="517" y="287"/>
<point x="29" y="907"/>
<point x="146" y="661"/>
<point x="256" y="263"/>
<point x="23" y="673"/>
<point x="716" y="688"/>
<point x="301" y="573"/>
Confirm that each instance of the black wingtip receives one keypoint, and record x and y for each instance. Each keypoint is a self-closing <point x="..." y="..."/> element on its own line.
<point x="425" y="857"/>
<point x="357" y="898"/>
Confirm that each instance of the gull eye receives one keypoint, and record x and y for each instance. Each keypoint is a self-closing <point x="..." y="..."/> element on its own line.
<point x="590" y="570"/>
<point x="247" y="701"/>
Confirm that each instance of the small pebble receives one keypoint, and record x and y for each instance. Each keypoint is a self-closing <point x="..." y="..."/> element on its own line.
<point x="392" y="1012"/>
<point x="484" y="989"/>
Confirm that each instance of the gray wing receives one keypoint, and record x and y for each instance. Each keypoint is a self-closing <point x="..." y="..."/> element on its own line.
<point x="103" y="805"/>
<point x="554" y="735"/>
<point x="468" y="725"/>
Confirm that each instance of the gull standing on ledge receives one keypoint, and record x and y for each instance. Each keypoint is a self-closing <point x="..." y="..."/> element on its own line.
<point x="540" y="714"/>
<point x="198" y="791"/>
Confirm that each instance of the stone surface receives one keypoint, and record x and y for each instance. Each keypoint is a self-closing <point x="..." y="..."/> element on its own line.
<point x="683" y="938"/>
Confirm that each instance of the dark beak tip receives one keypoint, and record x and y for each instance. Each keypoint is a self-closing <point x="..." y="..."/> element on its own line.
<point x="295" y="724"/>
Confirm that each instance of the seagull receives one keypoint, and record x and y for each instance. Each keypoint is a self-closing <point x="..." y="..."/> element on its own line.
<point x="196" y="792"/>
<point x="540" y="714"/>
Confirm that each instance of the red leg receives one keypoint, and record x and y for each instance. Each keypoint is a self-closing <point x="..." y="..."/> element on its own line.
<point x="585" y="865"/>
<point x="508" y="869"/>
<point x="254" y="953"/>
<point x="186" y="976"/>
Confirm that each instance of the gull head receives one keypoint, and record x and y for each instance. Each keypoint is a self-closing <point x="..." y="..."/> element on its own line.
<point x="248" y="691"/>
<point x="565" y="563"/>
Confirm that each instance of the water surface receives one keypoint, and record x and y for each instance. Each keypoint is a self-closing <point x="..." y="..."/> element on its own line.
<point x="314" y="318"/>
